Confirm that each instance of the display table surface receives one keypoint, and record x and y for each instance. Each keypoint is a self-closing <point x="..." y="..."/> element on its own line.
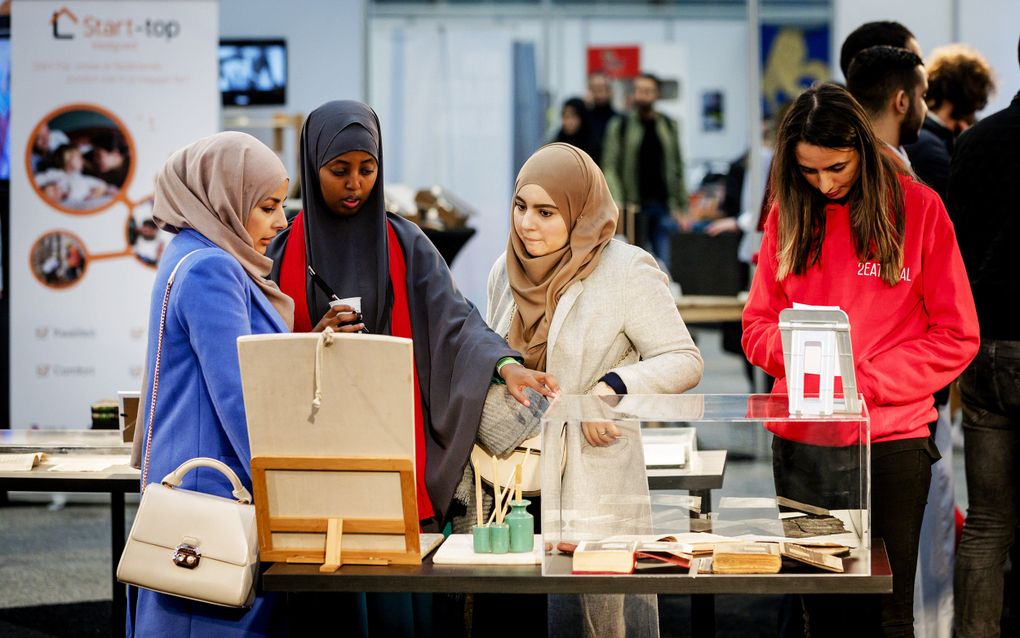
<point x="428" y="577"/>
<point x="63" y="446"/>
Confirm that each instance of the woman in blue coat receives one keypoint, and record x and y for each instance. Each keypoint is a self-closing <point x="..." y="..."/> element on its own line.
<point x="223" y="198"/>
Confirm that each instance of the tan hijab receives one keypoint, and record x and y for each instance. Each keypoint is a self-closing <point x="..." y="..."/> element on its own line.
<point x="579" y="190"/>
<point x="211" y="186"/>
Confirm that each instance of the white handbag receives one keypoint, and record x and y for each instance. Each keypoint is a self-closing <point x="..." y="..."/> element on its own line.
<point x="190" y="544"/>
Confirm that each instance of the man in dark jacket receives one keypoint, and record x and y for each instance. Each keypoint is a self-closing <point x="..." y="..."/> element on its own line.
<point x="959" y="83"/>
<point x="982" y="204"/>
<point x="643" y="167"/>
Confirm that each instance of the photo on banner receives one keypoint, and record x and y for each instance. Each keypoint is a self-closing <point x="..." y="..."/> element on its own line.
<point x="97" y="92"/>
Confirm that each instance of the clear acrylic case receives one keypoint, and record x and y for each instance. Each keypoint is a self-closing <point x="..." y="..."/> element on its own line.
<point x="814" y="464"/>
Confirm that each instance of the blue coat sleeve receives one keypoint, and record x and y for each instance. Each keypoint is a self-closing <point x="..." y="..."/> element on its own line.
<point x="213" y="307"/>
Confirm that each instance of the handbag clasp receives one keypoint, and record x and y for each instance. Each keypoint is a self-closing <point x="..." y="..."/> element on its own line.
<point x="187" y="556"/>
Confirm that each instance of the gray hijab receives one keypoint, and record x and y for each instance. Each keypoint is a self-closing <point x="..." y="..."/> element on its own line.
<point x="350" y="253"/>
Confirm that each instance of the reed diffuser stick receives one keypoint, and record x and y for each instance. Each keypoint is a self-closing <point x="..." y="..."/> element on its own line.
<point x="478" y="495"/>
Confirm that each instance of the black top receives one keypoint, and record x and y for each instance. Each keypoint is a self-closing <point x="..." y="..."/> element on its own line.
<point x="983" y="205"/>
<point x="651" y="176"/>
<point x="598" y="119"/>
<point x="930" y="155"/>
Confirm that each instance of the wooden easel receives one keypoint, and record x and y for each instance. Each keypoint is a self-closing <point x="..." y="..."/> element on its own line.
<point x="333" y="556"/>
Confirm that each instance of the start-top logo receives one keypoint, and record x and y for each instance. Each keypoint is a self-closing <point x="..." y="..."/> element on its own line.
<point x="66" y="26"/>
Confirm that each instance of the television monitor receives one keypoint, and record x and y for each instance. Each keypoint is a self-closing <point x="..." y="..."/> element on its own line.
<point x="253" y="72"/>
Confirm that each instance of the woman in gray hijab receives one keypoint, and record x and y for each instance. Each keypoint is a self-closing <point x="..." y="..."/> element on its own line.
<point x="222" y="197"/>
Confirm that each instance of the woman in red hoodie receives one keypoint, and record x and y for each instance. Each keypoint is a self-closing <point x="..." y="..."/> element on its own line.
<point x="847" y="231"/>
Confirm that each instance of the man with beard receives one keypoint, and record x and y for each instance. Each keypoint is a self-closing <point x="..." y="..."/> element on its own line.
<point x="641" y="161"/>
<point x="890" y="83"/>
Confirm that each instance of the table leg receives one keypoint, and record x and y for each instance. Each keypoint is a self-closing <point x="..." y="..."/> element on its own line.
<point x="706" y="501"/>
<point x="703" y="616"/>
<point x="119" y="616"/>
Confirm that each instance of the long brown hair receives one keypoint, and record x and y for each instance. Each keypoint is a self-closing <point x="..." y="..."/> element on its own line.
<point x="827" y="115"/>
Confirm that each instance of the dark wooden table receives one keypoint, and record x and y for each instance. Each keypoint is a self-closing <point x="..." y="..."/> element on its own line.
<point x="429" y="578"/>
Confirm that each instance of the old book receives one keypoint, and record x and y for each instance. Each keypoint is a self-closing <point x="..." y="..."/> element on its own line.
<point x="746" y="558"/>
<point x="20" y="462"/>
<point x="695" y="549"/>
<point x="812" y="525"/>
<point x="604" y="557"/>
<point x="811" y="557"/>
<point x="827" y="549"/>
<point x="662" y="556"/>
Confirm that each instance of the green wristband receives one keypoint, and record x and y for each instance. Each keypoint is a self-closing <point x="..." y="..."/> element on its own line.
<point x="505" y="361"/>
<point x="499" y="364"/>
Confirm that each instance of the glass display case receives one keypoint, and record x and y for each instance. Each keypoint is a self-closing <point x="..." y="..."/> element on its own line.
<point x="92" y="442"/>
<point x="808" y="496"/>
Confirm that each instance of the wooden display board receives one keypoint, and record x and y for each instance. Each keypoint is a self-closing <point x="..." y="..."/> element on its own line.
<point x="343" y="463"/>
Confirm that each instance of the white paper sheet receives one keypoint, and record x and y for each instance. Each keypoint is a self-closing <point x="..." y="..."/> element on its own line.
<point x="89" y="464"/>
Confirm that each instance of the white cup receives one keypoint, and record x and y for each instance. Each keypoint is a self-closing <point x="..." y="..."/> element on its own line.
<point x="353" y="302"/>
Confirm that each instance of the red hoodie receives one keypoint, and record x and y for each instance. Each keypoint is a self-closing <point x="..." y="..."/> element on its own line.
<point x="909" y="340"/>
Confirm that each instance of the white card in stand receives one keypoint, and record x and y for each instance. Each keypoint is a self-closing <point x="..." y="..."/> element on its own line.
<point x="816" y="340"/>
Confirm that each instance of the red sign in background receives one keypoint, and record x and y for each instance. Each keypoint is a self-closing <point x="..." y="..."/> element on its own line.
<point x="617" y="62"/>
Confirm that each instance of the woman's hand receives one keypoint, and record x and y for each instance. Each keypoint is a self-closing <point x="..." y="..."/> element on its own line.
<point x="340" y="319"/>
<point x="517" y="377"/>
<point x="600" y="433"/>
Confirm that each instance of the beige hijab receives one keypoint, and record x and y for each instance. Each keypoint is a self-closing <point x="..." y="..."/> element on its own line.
<point x="579" y="190"/>
<point x="211" y="186"/>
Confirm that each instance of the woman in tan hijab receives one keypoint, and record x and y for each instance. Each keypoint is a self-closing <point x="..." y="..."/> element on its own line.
<point x="222" y="197"/>
<point x="598" y="314"/>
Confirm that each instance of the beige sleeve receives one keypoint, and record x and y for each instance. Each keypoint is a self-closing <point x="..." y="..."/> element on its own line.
<point x="670" y="362"/>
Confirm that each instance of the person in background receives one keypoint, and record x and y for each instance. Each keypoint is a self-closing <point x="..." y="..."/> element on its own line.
<point x="847" y="229"/>
<point x="983" y="208"/>
<point x="600" y="110"/>
<point x="890" y="83"/>
<point x="643" y="167"/>
<point x="871" y="34"/>
<point x="960" y="82"/>
<point x="576" y="125"/>
<point x="222" y="197"/>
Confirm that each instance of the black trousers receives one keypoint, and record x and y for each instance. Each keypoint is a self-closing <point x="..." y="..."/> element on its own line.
<point x="900" y="476"/>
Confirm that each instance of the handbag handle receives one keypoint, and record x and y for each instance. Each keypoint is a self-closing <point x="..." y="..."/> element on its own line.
<point x="173" y="479"/>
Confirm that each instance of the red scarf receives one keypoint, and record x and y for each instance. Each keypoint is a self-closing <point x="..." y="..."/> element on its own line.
<point x="294" y="281"/>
